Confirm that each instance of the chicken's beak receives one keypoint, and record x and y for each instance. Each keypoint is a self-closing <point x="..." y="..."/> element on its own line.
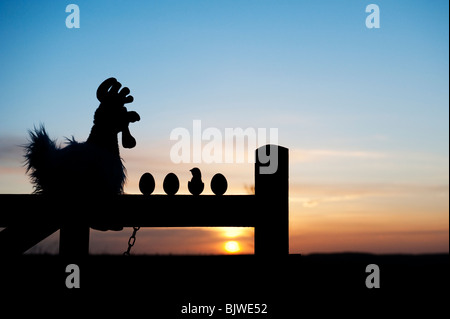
<point x="128" y="140"/>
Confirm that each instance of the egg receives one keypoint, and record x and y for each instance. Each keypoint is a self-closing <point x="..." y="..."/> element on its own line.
<point x="147" y="184"/>
<point x="171" y="184"/>
<point x="219" y="184"/>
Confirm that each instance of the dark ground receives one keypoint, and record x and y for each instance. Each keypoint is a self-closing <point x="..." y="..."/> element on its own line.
<point x="292" y="287"/>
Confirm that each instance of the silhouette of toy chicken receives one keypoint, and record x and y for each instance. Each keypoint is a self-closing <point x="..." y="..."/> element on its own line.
<point x="93" y="167"/>
<point x="196" y="185"/>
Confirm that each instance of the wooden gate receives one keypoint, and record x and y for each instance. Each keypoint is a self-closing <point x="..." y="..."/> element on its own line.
<point x="31" y="218"/>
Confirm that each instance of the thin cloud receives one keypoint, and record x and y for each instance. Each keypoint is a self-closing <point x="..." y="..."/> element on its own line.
<point x="309" y="155"/>
<point x="11" y="149"/>
<point x="311" y="195"/>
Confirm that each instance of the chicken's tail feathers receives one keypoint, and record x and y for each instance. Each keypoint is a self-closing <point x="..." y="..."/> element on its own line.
<point x="40" y="152"/>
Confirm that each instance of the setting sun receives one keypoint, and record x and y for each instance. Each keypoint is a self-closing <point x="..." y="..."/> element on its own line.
<point x="232" y="247"/>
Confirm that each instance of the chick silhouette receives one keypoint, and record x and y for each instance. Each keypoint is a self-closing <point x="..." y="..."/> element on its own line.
<point x="196" y="185"/>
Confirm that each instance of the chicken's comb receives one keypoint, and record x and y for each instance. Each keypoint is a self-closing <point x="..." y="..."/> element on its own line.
<point x="109" y="91"/>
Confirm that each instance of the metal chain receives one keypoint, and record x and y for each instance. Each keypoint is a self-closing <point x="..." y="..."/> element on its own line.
<point x="131" y="241"/>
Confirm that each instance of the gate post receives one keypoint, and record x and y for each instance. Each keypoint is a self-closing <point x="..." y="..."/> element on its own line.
<point x="272" y="194"/>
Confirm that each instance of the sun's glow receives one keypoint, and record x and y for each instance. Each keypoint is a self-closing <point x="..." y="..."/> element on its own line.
<point x="232" y="232"/>
<point x="232" y="247"/>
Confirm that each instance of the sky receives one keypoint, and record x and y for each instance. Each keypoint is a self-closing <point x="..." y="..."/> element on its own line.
<point x="364" y="112"/>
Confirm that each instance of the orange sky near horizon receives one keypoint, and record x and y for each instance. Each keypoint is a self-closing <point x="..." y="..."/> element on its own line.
<point x="323" y="219"/>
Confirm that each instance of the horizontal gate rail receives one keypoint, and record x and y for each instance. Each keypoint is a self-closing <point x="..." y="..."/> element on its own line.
<point x="131" y="210"/>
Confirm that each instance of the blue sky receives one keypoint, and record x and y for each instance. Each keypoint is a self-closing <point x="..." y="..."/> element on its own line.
<point x="198" y="59"/>
<point x="356" y="106"/>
